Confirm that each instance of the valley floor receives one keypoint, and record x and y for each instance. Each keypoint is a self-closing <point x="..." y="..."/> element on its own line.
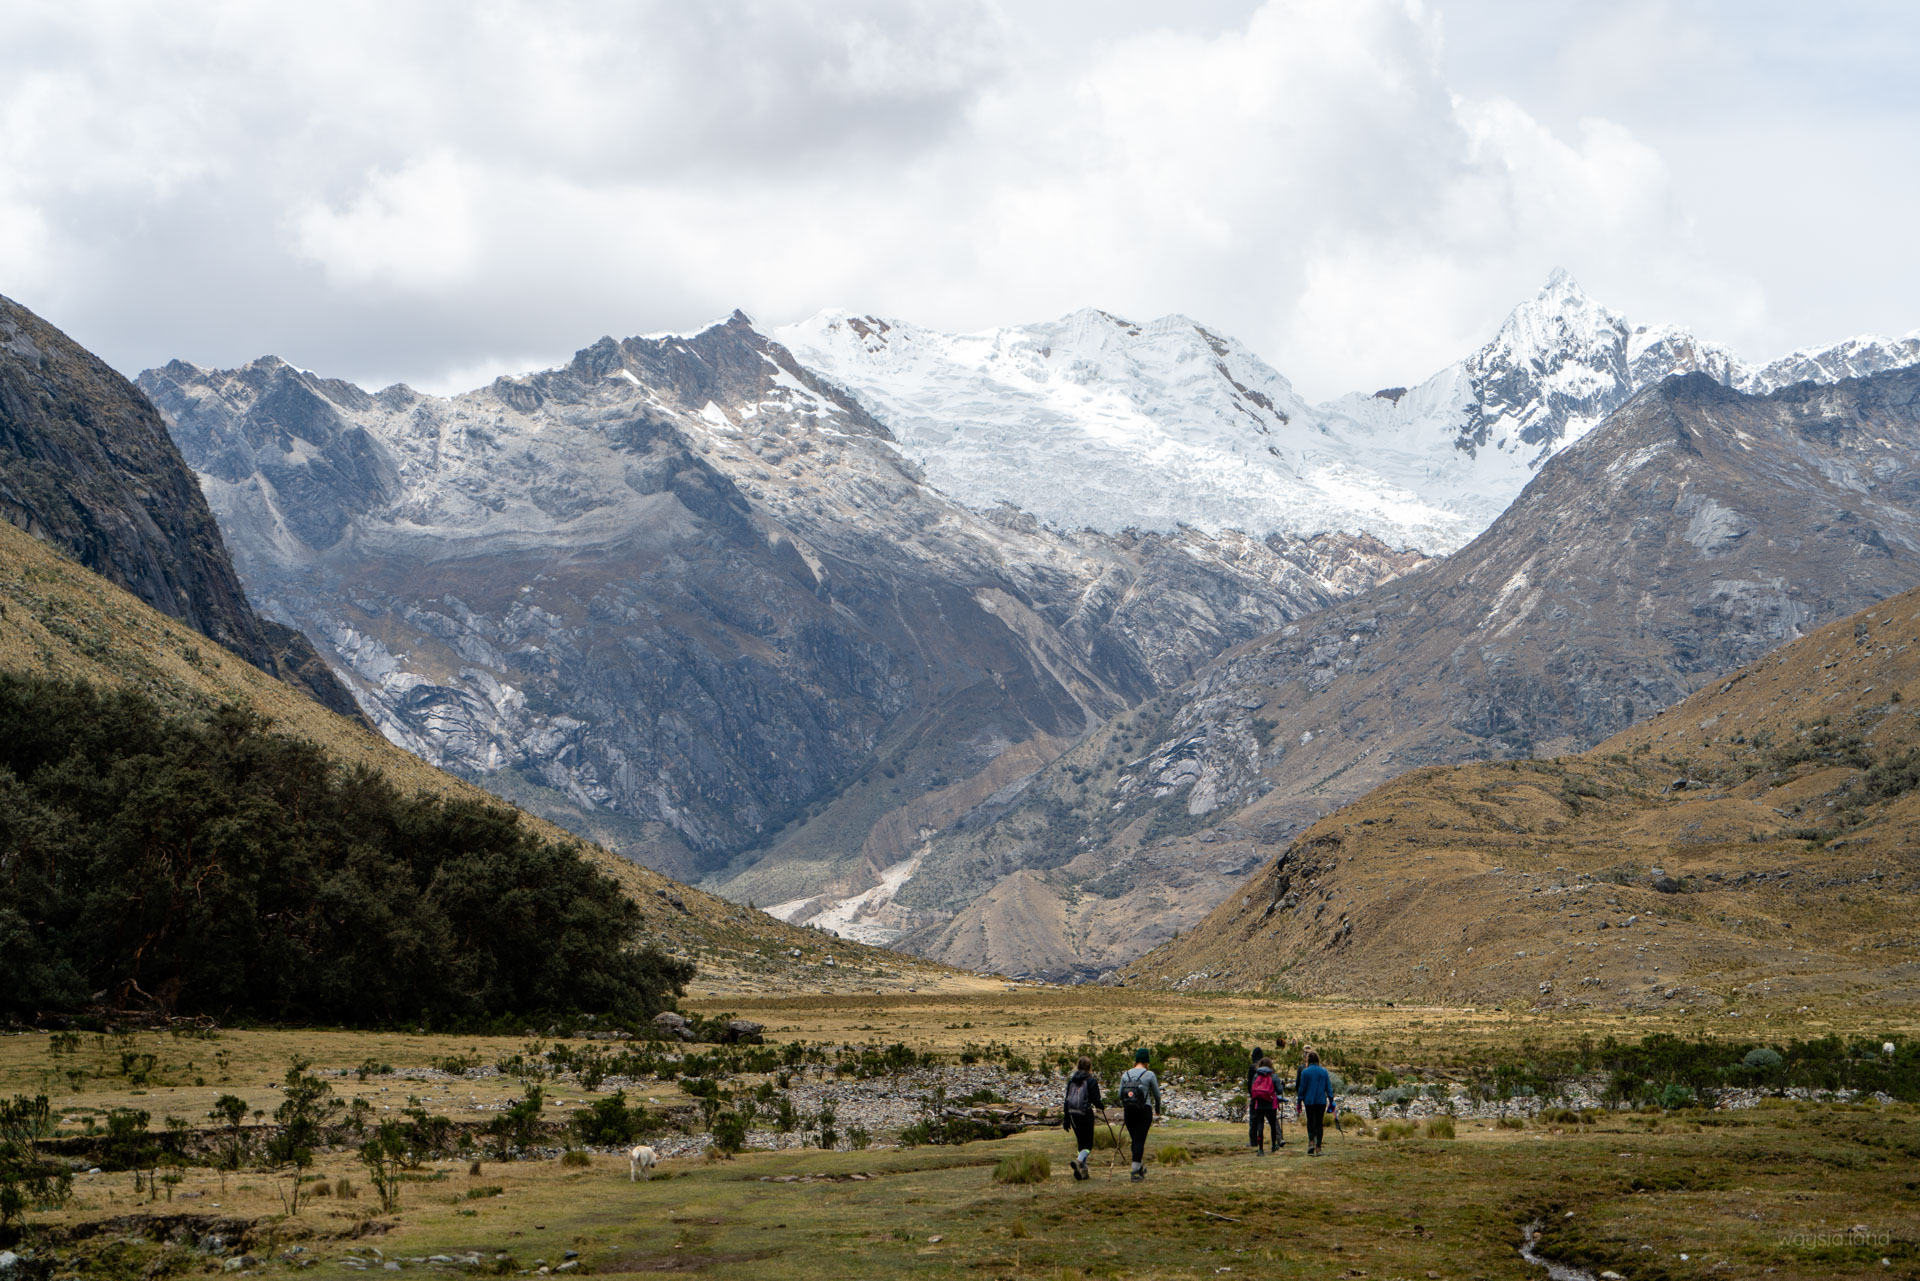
<point x="1790" y="1187"/>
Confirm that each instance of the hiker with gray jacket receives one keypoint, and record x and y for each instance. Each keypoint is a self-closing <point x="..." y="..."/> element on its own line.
<point x="1083" y="1100"/>
<point x="1139" y="1103"/>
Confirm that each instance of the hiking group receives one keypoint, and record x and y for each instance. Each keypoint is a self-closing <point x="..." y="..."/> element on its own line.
<point x="1140" y="1103"/>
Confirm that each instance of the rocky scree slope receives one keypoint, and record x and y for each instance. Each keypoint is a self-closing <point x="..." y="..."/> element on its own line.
<point x="61" y="620"/>
<point x="86" y="466"/>
<point x="1096" y="421"/>
<point x="1698" y="529"/>
<point x="1755" y="847"/>
<point x="687" y="598"/>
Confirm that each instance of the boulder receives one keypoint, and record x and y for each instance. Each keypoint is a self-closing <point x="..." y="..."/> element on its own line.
<point x="674" y="1025"/>
<point x="743" y="1032"/>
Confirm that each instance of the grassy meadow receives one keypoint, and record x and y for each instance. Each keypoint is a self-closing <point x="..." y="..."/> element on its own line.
<point x="1776" y="1190"/>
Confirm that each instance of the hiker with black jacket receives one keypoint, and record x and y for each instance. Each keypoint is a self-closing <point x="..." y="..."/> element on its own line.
<point x="1313" y="1094"/>
<point x="1083" y="1100"/>
<point x="1263" y="1107"/>
<point x="1139" y="1102"/>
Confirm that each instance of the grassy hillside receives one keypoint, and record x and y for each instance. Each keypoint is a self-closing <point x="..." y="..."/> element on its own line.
<point x="59" y="619"/>
<point x="1754" y="848"/>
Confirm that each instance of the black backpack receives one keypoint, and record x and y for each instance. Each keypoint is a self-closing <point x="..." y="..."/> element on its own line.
<point x="1133" y="1092"/>
<point x="1078" y="1090"/>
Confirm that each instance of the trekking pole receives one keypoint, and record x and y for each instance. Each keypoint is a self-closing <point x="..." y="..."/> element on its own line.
<point x="1114" y="1160"/>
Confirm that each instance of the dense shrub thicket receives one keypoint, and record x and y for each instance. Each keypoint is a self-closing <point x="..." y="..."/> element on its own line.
<point x="209" y="866"/>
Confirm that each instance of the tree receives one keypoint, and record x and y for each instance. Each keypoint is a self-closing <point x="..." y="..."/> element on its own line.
<point x="211" y="865"/>
<point x="26" y="1178"/>
<point x="384" y="1153"/>
<point x="307" y="1106"/>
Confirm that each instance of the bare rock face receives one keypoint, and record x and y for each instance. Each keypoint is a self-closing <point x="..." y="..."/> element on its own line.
<point x="1696" y="530"/>
<point x="687" y="597"/>
<point x="86" y="465"/>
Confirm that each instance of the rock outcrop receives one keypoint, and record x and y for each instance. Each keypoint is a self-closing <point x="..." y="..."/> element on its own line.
<point x="86" y="466"/>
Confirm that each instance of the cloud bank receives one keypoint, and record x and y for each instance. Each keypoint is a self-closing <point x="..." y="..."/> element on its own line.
<point x="439" y="191"/>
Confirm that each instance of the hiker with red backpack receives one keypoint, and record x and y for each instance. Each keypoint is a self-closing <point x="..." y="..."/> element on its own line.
<point x="1083" y="1100"/>
<point x="1263" y="1107"/>
<point x="1139" y="1101"/>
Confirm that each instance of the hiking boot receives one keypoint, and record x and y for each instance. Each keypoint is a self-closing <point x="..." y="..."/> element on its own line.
<point x="1140" y="1175"/>
<point x="1079" y="1169"/>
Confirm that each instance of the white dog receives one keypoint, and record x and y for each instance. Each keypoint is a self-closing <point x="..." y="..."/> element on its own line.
<point x="640" y="1161"/>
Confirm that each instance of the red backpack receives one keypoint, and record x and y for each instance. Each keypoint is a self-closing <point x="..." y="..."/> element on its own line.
<point x="1264" y="1090"/>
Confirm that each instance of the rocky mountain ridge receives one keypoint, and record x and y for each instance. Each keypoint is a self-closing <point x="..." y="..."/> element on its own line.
<point x="1753" y="847"/>
<point x="1696" y="530"/>
<point x="685" y="596"/>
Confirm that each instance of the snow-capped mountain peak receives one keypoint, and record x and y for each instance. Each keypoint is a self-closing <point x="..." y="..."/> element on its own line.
<point x="1094" y="420"/>
<point x="1097" y="421"/>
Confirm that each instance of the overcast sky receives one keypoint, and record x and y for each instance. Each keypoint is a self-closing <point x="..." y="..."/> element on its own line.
<point x="438" y="192"/>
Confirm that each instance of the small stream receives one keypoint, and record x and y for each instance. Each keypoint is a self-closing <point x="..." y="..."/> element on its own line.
<point x="1555" y="1271"/>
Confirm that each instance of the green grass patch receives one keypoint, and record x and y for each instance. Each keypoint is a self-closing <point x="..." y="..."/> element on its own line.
<point x="1023" y="1167"/>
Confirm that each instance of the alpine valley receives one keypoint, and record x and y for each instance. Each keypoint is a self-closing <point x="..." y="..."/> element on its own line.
<point x="1021" y="649"/>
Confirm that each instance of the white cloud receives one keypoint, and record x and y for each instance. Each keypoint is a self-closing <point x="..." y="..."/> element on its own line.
<point x="415" y="191"/>
<point x="412" y="229"/>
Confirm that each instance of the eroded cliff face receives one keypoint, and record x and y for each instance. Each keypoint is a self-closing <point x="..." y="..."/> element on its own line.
<point x="687" y="597"/>
<point x="86" y="466"/>
<point x="1698" y="529"/>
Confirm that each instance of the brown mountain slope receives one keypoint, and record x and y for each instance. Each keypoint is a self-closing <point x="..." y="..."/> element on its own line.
<point x="59" y="619"/>
<point x="1757" y="844"/>
<point x="1695" y="530"/>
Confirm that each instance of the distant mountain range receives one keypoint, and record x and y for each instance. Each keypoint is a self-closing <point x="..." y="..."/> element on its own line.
<point x="805" y="616"/>
<point x="1694" y="531"/>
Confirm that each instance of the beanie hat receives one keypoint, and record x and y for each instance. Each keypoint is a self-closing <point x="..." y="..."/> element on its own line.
<point x="1142" y="1055"/>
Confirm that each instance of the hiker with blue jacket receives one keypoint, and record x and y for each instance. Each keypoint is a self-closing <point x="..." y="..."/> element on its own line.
<point x="1083" y="1100"/>
<point x="1139" y="1103"/>
<point x="1313" y="1094"/>
<point x="1264" y="1088"/>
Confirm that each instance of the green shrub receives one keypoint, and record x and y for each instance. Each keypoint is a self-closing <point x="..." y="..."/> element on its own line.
<point x="730" y="1131"/>
<point x="1762" y="1059"/>
<point x="609" y="1122"/>
<point x="1023" y="1167"/>
<point x="575" y="1158"/>
<point x="1510" y="1123"/>
<point x="1440" y="1127"/>
<point x="519" y="1125"/>
<point x="1173" y="1154"/>
<point x="1391" y="1130"/>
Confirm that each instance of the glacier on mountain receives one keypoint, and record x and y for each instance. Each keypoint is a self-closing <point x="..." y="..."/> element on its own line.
<point x="1093" y="421"/>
